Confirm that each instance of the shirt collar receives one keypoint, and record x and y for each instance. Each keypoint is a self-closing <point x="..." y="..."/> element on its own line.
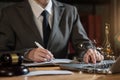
<point x="37" y="9"/>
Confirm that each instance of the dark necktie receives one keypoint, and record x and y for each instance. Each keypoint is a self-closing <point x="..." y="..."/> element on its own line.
<point x="46" y="28"/>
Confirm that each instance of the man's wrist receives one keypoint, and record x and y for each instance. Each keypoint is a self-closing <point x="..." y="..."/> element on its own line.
<point x="26" y="55"/>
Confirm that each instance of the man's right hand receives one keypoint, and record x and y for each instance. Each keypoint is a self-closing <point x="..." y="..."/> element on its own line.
<point x="40" y="55"/>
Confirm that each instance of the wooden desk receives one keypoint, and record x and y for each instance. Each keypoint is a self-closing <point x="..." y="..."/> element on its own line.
<point x="75" y="76"/>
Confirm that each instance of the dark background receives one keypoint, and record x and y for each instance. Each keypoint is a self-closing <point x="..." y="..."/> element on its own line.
<point x="70" y="1"/>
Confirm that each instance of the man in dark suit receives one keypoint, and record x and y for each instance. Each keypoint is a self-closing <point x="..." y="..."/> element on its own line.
<point x="21" y="25"/>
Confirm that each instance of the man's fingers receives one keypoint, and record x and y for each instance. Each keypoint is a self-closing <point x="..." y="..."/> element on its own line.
<point x="99" y="57"/>
<point x="93" y="58"/>
<point x="50" y="54"/>
<point x="39" y="59"/>
<point x="89" y="57"/>
<point x="85" y="58"/>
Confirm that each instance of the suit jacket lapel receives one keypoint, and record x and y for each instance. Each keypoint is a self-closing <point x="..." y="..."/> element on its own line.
<point x="27" y="15"/>
<point x="57" y="14"/>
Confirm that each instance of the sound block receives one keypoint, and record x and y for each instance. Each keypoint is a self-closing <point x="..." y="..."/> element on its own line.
<point x="8" y="71"/>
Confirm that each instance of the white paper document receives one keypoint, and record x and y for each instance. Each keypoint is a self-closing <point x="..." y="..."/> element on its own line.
<point x="52" y="62"/>
<point x="49" y="72"/>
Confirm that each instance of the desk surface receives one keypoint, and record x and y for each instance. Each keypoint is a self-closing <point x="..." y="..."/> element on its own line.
<point x="75" y="76"/>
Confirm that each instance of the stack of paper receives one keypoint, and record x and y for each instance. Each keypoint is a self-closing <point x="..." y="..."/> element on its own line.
<point x="52" y="62"/>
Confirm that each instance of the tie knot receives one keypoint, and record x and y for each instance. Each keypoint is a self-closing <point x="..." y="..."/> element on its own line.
<point x="45" y="14"/>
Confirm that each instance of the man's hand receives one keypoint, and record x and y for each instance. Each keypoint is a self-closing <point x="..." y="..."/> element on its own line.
<point x="92" y="55"/>
<point x="40" y="55"/>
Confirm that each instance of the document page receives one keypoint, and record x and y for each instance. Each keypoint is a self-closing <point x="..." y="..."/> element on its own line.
<point x="49" y="72"/>
<point x="52" y="62"/>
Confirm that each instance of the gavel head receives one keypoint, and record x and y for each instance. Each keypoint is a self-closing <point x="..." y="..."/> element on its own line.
<point x="11" y="59"/>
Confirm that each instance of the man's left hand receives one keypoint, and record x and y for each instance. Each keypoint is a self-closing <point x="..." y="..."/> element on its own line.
<point x="92" y="55"/>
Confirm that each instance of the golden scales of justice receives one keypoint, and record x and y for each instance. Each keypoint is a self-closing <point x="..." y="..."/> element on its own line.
<point x="107" y="49"/>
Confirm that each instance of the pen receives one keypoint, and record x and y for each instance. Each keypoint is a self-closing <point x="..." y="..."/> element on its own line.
<point x="38" y="45"/>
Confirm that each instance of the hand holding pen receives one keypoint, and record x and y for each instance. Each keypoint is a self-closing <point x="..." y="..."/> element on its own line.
<point x="40" y="54"/>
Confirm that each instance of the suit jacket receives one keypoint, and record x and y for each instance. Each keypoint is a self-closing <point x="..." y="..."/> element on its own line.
<point x="18" y="31"/>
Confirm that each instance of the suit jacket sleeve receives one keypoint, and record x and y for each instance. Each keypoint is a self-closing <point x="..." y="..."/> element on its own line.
<point x="79" y="38"/>
<point x="7" y="36"/>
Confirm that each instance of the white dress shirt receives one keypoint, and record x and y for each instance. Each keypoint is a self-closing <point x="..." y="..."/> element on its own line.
<point x="38" y="18"/>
